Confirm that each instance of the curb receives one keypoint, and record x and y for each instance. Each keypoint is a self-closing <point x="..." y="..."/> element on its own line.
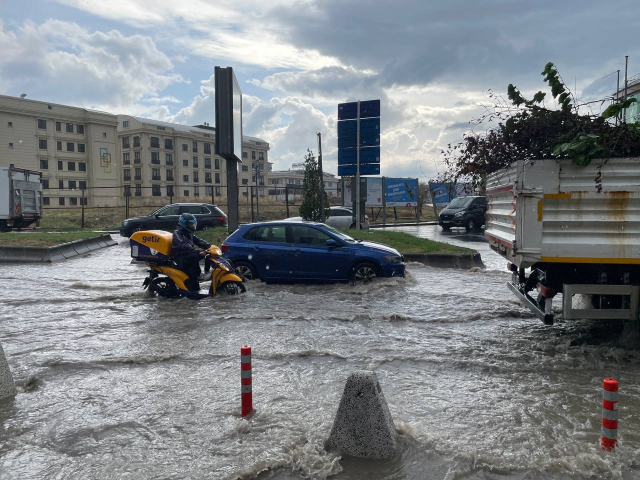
<point x="447" y="260"/>
<point x="56" y="253"/>
<point x="411" y="224"/>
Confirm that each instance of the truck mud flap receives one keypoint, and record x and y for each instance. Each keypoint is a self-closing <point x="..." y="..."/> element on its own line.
<point x="547" y="318"/>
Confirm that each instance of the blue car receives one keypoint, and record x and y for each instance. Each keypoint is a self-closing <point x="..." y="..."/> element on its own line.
<point x="306" y="251"/>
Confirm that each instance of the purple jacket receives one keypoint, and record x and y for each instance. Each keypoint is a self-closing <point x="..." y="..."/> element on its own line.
<point x="182" y="246"/>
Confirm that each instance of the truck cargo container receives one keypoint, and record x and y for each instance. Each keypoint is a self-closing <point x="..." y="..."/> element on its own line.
<point x="20" y="198"/>
<point x="570" y="230"/>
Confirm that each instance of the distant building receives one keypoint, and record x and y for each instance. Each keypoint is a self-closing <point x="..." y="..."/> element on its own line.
<point x="632" y="114"/>
<point x="290" y="182"/>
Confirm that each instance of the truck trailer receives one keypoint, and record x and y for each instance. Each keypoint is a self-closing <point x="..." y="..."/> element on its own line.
<point x="570" y="230"/>
<point x="20" y="198"/>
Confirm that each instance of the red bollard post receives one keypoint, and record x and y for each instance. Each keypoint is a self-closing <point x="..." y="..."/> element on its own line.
<point x="245" y="380"/>
<point x="609" y="437"/>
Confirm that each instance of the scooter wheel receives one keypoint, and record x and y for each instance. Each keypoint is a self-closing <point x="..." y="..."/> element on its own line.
<point x="165" y="287"/>
<point x="234" y="288"/>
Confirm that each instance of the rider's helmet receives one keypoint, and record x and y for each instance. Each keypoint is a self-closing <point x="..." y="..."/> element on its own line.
<point x="188" y="222"/>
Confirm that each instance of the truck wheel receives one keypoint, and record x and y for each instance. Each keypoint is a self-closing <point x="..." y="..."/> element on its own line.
<point x="471" y="225"/>
<point x="4" y="227"/>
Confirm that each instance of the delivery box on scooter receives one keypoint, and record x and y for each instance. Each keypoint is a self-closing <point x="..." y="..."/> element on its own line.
<point x="151" y="245"/>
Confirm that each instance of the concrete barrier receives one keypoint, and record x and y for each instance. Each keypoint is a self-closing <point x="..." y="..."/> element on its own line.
<point x="10" y="254"/>
<point x="7" y="386"/>
<point x="363" y="426"/>
<point x="447" y="260"/>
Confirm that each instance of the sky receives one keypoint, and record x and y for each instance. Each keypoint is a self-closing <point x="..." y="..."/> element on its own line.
<point x="431" y="63"/>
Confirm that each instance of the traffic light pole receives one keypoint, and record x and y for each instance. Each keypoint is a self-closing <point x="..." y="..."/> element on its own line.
<point x="358" y="169"/>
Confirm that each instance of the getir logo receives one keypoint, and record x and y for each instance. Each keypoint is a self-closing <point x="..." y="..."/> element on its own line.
<point x="146" y="239"/>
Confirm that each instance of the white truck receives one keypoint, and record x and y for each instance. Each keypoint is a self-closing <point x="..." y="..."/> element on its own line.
<point x="570" y="230"/>
<point x="20" y="198"/>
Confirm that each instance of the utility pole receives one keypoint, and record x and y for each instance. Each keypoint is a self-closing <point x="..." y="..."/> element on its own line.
<point x="618" y="97"/>
<point x="626" y="65"/>
<point x="322" y="217"/>
<point x="358" y="170"/>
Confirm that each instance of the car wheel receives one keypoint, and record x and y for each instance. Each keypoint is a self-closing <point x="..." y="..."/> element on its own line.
<point x="136" y="229"/>
<point x="363" y="273"/>
<point x="205" y="227"/>
<point x="246" y="270"/>
<point x="446" y="229"/>
<point x="471" y="225"/>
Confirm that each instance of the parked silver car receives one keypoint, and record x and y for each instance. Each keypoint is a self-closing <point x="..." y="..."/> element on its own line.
<point x="339" y="217"/>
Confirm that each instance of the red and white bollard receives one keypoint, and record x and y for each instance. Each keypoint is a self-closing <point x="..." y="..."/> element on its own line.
<point x="245" y="380"/>
<point x="609" y="437"/>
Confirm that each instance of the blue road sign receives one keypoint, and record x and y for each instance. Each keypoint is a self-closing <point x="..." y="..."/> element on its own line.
<point x="365" y="141"/>
<point x="347" y="111"/>
<point x="365" y="169"/>
<point x="370" y="108"/>
<point x="367" y="155"/>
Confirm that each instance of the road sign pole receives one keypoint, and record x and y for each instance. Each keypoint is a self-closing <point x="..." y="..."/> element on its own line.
<point x="322" y="215"/>
<point x="358" y="169"/>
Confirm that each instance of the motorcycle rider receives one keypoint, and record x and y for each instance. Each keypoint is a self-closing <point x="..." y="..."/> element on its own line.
<point x="185" y="254"/>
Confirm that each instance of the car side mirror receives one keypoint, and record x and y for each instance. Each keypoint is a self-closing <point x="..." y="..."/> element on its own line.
<point x="332" y="243"/>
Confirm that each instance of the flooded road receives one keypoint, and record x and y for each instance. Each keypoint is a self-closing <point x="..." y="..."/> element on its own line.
<point x="113" y="384"/>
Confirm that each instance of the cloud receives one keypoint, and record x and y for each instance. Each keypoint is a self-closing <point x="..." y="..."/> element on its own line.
<point x="64" y="61"/>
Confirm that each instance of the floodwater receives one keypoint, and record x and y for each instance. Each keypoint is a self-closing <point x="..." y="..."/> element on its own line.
<point x="114" y="384"/>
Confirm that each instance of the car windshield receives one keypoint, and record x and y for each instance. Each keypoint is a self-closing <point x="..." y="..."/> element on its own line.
<point x="460" y="202"/>
<point x="339" y="234"/>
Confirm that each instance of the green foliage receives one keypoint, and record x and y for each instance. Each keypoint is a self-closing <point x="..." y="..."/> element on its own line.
<point x="581" y="149"/>
<point x="615" y="109"/>
<point x="310" y="208"/>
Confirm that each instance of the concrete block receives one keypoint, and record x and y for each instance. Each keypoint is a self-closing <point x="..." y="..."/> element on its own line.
<point x="363" y="426"/>
<point x="7" y="387"/>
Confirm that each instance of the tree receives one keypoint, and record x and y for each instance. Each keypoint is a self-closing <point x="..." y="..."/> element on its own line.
<point x="310" y="208"/>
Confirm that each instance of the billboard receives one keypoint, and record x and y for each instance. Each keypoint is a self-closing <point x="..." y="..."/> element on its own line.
<point x="443" y="193"/>
<point x="228" y="111"/>
<point x="374" y="192"/>
<point x="401" y="192"/>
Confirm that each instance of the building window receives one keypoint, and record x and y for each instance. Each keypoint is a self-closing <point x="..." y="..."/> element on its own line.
<point x="155" y="174"/>
<point x="61" y="201"/>
<point x="125" y="142"/>
<point x="125" y="123"/>
<point x="260" y="155"/>
<point x="73" y="201"/>
<point x="160" y="128"/>
<point x="127" y="174"/>
<point x="195" y="147"/>
<point x="10" y="145"/>
<point x="217" y="163"/>
<point x="245" y="181"/>
<point x="58" y="127"/>
<point x="42" y="124"/>
<point x="195" y="176"/>
<point x="136" y="142"/>
<point x="195" y="162"/>
<point x="138" y="190"/>
<point x="207" y="177"/>
<point x="82" y="184"/>
<point x="185" y="178"/>
<point x="127" y="190"/>
<point x="207" y="149"/>
<point x="82" y="166"/>
<point x="155" y="142"/>
<point x="138" y="173"/>
<point x="59" y="145"/>
<point x="155" y="158"/>
<point x="126" y="159"/>
<point x="185" y="147"/>
<point x="42" y="143"/>
<point x="186" y="193"/>
<point x="80" y="129"/>
<point x="81" y="147"/>
<point x="46" y="201"/>
<point x="185" y="163"/>
<point x="245" y="168"/>
<point x="169" y="190"/>
<point x="169" y="175"/>
<point x="169" y="159"/>
<point x="60" y="184"/>
<point x="136" y="157"/>
<point x="217" y="177"/>
<point x="244" y="155"/>
<point x="253" y="155"/>
<point x="196" y="191"/>
<point x="207" y="163"/>
<point x="71" y="166"/>
<point x="69" y="127"/>
<point x="71" y="147"/>
<point x="72" y="184"/>
<point x="45" y="183"/>
<point x="217" y="190"/>
<point x="104" y="134"/>
<point x="208" y="190"/>
<point x="155" y="190"/>
<point x="168" y="144"/>
<point x="60" y="165"/>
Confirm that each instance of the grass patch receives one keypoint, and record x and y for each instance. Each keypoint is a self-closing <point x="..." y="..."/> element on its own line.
<point x="405" y="242"/>
<point x="215" y="235"/>
<point x="43" y="239"/>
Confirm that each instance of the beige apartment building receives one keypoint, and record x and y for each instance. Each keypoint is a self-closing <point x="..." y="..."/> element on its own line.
<point x="101" y="157"/>
<point x="283" y="183"/>
<point x="74" y="148"/>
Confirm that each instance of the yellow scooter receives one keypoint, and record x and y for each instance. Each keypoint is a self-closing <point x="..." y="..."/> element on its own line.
<point x="167" y="280"/>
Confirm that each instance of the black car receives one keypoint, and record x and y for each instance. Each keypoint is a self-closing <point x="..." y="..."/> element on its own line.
<point x="467" y="212"/>
<point x="166" y="218"/>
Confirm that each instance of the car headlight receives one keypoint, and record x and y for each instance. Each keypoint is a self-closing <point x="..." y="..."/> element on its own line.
<point x="393" y="259"/>
<point x="459" y="214"/>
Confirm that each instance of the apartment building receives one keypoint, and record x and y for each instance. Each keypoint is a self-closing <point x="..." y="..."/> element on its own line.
<point x="161" y="159"/>
<point x="291" y="182"/>
<point x="74" y="148"/>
